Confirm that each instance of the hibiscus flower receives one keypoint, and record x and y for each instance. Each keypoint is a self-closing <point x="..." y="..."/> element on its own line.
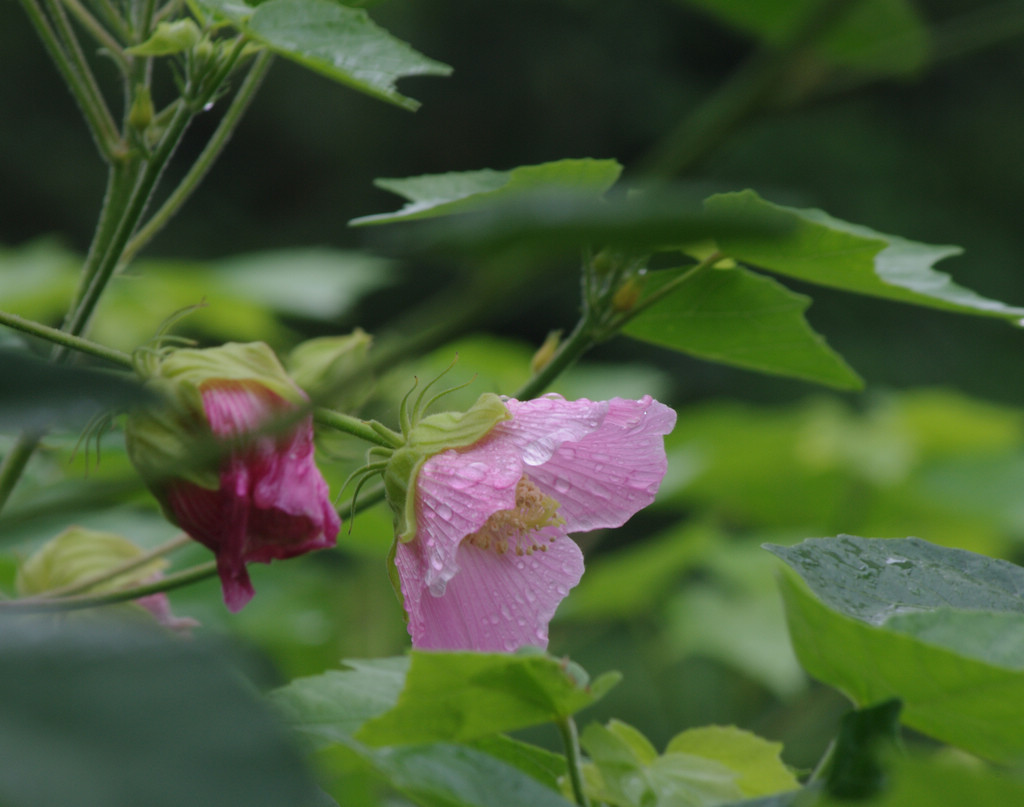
<point x="266" y="499"/>
<point x="491" y="557"/>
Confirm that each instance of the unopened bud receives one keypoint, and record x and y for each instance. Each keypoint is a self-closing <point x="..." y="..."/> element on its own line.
<point x="141" y="113"/>
<point x="546" y="352"/>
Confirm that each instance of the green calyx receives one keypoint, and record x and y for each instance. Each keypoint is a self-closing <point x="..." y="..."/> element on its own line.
<point x="429" y="436"/>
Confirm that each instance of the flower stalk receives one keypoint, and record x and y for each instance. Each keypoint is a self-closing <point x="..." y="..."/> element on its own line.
<point x="573" y="758"/>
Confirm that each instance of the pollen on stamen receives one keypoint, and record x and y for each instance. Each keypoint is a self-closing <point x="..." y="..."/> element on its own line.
<point x="517" y="528"/>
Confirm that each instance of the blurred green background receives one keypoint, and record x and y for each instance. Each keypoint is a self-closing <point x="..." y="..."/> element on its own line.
<point x="682" y="600"/>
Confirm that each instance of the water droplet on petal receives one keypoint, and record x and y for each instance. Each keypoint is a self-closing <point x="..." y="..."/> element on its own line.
<point x="437" y="563"/>
<point x="505" y="612"/>
<point x="443" y="511"/>
<point x="530" y="595"/>
<point x="495" y="619"/>
<point x="562" y="485"/>
<point x="520" y="565"/>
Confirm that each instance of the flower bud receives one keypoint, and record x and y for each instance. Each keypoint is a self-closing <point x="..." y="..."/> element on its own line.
<point x="78" y="554"/>
<point x="259" y="496"/>
<point x="328" y="369"/>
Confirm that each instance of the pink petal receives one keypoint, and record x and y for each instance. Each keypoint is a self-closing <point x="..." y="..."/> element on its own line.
<point x="497" y="603"/>
<point x="539" y="426"/>
<point x="456" y="492"/>
<point x="601" y="480"/>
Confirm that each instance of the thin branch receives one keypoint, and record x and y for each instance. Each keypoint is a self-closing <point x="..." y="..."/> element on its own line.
<point x="98" y="32"/>
<point x="60" y="337"/>
<point x="192" y="179"/>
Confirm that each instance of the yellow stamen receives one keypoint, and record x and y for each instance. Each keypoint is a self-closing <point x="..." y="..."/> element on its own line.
<point x="516" y="528"/>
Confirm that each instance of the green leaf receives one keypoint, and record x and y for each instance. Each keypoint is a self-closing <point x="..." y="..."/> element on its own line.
<point x="96" y="718"/>
<point x="445" y="775"/>
<point x="873" y="579"/>
<point x="168" y="38"/>
<point x="878" y="36"/>
<point x="936" y="781"/>
<point x="973" y="702"/>
<point x="36" y="394"/>
<point x="339" y="42"/>
<point x="756" y="761"/>
<point x="543" y="765"/>
<point x="433" y="195"/>
<point x="627" y="772"/>
<point x="332" y="706"/>
<point x="463" y="696"/>
<point x="823" y="250"/>
<point x="736" y="317"/>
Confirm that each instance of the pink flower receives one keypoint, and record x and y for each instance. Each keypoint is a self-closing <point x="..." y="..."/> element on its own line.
<point x="271" y="502"/>
<point x="491" y="558"/>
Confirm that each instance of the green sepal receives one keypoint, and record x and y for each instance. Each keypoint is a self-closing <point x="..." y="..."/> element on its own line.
<point x="328" y="369"/>
<point x="428" y="437"/>
<point x="168" y="38"/>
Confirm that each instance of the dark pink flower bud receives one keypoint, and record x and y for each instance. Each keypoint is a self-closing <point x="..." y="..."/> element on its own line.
<point x="266" y="500"/>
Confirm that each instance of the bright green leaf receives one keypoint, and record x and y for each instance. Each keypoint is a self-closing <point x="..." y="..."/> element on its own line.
<point x="95" y="718"/>
<point x="627" y="772"/>
<point x="963" y="701"/>
<point x="756" y="761"/>
<point x="168" y="38"/>
<point x="333" y="706"/>
<point x="736" y="317"/>
<point x="878" y="36"/>
<point x="457" y="192"/>
<point x="823" y="250"/>
<point x="339" y="42"/>
<point x="464" y="696"/>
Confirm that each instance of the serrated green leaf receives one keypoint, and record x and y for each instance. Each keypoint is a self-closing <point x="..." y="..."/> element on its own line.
<point x="333" y="706"/>
<point x="626" y="772"/>
<point x="339" y="42"/>
<point x="463" y="696"/>
<point x="879" y="36"/>
<point x="824" y="250"/>
<point x="967" y="702"/>
<point x="433" y="195"/>
<point x="736" y="317"/>
<point x="95" y="718"/>
<point x="756" y="761"/>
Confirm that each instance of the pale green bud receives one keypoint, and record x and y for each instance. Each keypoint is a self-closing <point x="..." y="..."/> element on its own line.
<point x="328" y="369"/>
<point x="168" y="38"/>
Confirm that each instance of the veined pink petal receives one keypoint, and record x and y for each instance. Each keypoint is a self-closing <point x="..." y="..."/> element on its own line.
<point x="456" y="492"/>
<point x="498" y="602"/>
<point x="539" y="426"/>
<point x="608" y="475"/>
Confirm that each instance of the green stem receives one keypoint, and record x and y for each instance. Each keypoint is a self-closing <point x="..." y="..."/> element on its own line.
<point x="59" y="337"/>
<point x="579" y="342"/>
<point x="744" y="92"/>
<point x="98" y="32"/>
<point x="94" y="109"/>
<point x="169" y="583"/>
<point x="667" y="289"/>
<point x="357" y="428"/>
<point x="14" y="463"/>
<point x="573" y="758"/>
<point x="212" y="150"/>
<point x="128" y="221"/>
